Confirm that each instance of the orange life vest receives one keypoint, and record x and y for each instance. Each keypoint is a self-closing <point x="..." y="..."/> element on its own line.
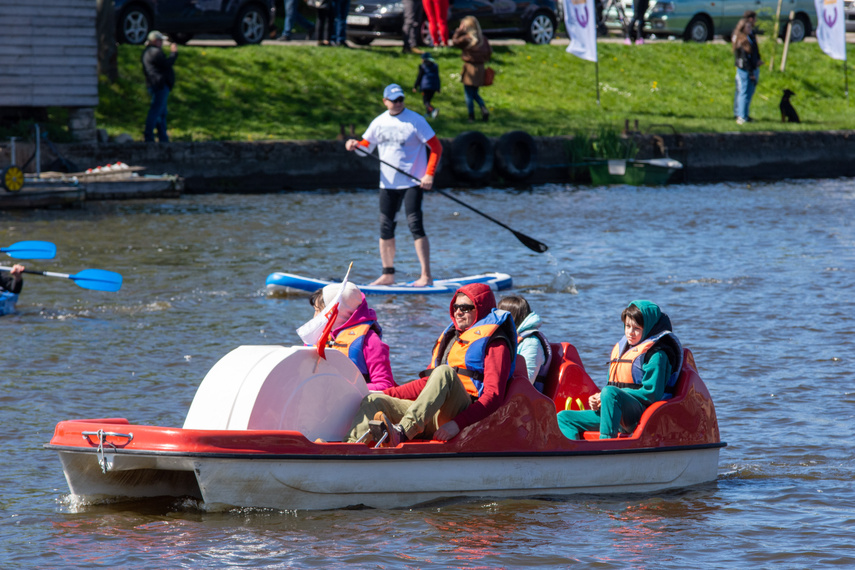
<point x="625" y="363"/>
<point x="468" y="352"/>
<point x="351" y="341"/>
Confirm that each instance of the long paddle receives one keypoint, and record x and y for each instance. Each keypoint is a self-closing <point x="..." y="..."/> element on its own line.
<point x="97" y="279"/>
<point x="30" y="250"/>
<point x="527" y="241"/>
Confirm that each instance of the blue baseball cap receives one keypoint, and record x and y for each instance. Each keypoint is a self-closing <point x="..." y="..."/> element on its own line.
<point x="392" y="92"/>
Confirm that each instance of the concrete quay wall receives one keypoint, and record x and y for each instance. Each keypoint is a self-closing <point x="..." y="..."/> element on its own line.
<point x="275" y="166"/>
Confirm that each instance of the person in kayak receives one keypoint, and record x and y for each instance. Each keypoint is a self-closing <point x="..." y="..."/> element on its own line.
<point x="357" y="334"/>
<point x="643" y="369"/>
<point x="400" y="136"/>
<point x="12" y="280"/>
<point x="531" y="343"/>
<point x="471" y="366"/>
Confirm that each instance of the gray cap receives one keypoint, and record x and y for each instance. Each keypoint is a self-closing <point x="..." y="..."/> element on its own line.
<point x="154" y="35"/>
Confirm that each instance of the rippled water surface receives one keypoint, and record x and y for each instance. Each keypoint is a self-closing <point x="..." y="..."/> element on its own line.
<point x="758" y="281"/>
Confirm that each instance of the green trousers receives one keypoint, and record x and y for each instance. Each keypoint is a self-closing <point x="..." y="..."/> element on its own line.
<point x="439" y="402"/>
<point x="619" y="412"/>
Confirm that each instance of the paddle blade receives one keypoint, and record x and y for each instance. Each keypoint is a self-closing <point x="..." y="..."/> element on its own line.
<point x="30" y="250"/>
<point x="531" y="243"/>
<point x="98" y="279"/>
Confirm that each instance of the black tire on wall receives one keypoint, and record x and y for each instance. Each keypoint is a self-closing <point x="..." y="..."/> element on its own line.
<point x="516" y="156"/>
<point x="472" y="157"/>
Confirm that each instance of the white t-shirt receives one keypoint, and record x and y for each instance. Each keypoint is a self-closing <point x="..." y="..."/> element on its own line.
<point x="400" y="140"/>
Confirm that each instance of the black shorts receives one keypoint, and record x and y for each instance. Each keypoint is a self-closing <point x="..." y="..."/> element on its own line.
<point x="390" y="203"/>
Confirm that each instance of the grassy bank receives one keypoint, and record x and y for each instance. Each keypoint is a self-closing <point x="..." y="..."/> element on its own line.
<point x="274" y="92"/>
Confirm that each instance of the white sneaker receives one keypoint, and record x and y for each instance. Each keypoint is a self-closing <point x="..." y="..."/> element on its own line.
<point x="434" y="113"/>
<point x="740" y="121"/>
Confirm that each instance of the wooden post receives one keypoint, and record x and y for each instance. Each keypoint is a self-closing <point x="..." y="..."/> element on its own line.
<point x="787" y="40"/>
<point x="775" y="34"/>
<point x="105" y="31"/>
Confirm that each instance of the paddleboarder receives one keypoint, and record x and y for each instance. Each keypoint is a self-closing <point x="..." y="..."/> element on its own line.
<point x="400" y="136"/>
<point x="12" y="280"/>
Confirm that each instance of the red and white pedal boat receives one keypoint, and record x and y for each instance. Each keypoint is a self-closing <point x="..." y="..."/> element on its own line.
<point x="248" y="442"/>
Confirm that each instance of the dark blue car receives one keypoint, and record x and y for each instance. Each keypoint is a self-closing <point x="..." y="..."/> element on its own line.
<point x="247" y="21"/>
<point x="532" y="20"/>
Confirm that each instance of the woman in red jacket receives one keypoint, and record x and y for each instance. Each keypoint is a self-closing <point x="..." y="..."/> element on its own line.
<point x="449" y="398"/>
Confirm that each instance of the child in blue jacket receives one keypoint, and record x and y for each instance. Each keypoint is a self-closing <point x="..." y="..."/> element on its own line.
<point x="428" y="83"/>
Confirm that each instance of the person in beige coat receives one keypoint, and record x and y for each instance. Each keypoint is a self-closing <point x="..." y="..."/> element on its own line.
<point x="476" y="51"/>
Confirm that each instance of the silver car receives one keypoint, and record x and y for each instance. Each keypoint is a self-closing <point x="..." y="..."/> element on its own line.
<point x="699" y="20"/>
<point x="849" y="10"/>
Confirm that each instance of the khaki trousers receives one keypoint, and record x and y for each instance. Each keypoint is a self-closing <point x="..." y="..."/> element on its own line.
<point x="442" y="398"/>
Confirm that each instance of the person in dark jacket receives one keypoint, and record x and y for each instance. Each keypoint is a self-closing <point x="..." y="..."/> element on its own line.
<point x="428" y="83"/>
<point x="746" y="53"/>
<point x="159" y="80"/>
<point x="12" y="280"/>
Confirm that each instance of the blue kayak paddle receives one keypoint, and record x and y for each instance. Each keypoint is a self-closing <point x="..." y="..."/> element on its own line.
<point x="30" y="250"/>
<point x="96" y="279"/>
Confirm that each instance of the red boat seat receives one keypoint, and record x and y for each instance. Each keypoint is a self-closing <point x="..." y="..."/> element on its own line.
<point x="680" y="391"/>
<point x="567" y="377"/>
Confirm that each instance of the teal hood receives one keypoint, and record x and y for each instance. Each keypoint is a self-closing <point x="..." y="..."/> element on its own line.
<point x="650" y="313"/>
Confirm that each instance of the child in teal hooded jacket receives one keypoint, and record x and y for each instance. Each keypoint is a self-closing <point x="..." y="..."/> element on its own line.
<point x="619" y="408"/>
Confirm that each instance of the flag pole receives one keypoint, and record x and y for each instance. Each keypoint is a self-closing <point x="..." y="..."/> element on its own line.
<point x="597" y="78"/>
<point x="846" y="80"/>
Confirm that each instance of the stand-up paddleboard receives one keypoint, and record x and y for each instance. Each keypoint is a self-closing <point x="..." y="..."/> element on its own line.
<point x="7" y="302"/>
<point x="278" y="283"/>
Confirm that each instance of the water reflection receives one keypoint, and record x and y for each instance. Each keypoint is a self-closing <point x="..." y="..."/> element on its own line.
<point x="756" y="280"/>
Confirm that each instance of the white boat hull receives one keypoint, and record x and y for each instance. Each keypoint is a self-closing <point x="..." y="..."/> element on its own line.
<point x="332" y="482"/>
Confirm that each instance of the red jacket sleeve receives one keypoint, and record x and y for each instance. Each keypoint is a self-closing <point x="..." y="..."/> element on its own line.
<point x="435" y="152"/>
<point x="408" y="391"/>
<point x="497" y="368"/>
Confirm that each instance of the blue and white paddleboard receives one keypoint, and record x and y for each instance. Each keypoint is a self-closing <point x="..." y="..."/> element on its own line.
<point x="7" y="302"/>
<point x="289" y="283"/>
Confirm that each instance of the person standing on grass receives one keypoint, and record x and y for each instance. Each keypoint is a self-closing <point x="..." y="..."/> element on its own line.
<point x="436" y="12"/>
<point x="339" y="34"/>
<point x="639" y="9"/>
<point x="293" y="16"/>
<point x="411" y="27"/>
<point x="746" y="52"/>
<point x="428" y="83"/>
<point x="476" y="51"/>
<point x="159" y="80"/>
<point x="400" y="136"/>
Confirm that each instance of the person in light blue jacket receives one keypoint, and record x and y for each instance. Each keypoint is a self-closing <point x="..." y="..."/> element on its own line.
<point x="531" y="343"/>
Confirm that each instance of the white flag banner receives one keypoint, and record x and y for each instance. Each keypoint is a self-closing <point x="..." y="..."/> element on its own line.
<point x="311" y="331"/>
<point x="580" y="18"/>
<point x="831" y="28"/>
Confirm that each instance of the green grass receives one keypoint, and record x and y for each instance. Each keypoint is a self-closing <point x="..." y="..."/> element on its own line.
<point x="276" y="92"/>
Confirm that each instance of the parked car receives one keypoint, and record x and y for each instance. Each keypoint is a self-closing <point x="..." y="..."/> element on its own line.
<point x="700" y="20"/>
<point x="849" y="10"/>
<point x="247" y="21"/>
<point x="532" y="20"/>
